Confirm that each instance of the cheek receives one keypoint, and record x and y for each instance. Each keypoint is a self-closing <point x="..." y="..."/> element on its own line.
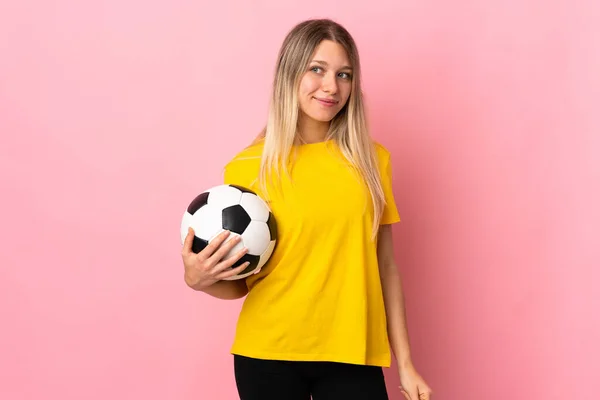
<point x="345" y="92"/>
<point x="308" y="85"/>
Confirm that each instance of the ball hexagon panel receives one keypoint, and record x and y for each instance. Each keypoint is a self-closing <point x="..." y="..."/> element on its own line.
<point x="224" y="196"/>
<point x="253" y="237"/>
<point x="256" y="208"/>
<point x="267" y="254"/>
<point x="207" y="222"/>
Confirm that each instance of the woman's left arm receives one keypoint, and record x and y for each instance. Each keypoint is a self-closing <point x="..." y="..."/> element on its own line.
<point x="412" y="384"/>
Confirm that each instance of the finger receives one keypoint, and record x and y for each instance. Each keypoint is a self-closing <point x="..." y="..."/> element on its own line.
<point x="414" y="394"/>
<point x="228" y="262"/>
<point x="213" y="245"/>
<point x="425" y="394"/>
<point x="233" y="272"/>
<point x="405" y="394"/>
<point x="223" y="250"/>
<point x="187" y="243"/>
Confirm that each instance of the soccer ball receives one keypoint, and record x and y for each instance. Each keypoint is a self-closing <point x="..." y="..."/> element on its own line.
<point x="243" y="213"/>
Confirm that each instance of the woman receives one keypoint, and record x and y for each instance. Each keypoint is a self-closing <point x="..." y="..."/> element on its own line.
<point x="319" y="318"/>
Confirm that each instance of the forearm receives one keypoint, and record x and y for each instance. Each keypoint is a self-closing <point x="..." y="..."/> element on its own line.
<point x="396" y="314"/>
<point x="226" y="290"/>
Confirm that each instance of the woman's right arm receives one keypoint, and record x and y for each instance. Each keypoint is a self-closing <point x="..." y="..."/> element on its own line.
<point x="206" y="271"/>
<point x="227" y="290"/>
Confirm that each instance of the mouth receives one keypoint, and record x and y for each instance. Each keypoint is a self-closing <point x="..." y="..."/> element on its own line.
<point x="326" y="102"/>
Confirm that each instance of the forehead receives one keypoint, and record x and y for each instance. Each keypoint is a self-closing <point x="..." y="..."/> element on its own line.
<point x="332" y="53"/>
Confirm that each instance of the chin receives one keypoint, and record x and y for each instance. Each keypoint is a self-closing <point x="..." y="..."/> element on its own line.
<point x="322" y="117"/>
<point x="327" y="119"/>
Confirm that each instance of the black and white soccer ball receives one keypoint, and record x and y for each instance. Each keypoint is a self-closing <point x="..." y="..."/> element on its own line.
<point x="243" y="213"/>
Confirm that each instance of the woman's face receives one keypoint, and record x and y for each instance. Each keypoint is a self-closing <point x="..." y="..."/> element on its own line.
<point x="326" y="85"/>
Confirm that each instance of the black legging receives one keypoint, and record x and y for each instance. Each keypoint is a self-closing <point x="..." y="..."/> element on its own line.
<point x="298" y="380"/>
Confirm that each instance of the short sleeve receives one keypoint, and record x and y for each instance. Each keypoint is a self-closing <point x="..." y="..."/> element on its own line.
<point x="241" y="172"/>
<point x="242" y="169"/>
<point x="228" y="176"/>
<point x="390" y="211"/>
<point x="234" y="173"/>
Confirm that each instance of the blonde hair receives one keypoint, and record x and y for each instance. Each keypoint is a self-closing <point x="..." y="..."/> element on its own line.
<point x="348" y="129"/>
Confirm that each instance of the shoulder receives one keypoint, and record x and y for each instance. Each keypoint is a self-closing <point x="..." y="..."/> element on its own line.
<point x="248" y="155"/>
<point x="382" y="152"/>
<point x="243" y="167"/>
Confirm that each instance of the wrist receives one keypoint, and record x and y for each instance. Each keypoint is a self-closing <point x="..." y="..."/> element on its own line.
<point x="195" y="285"/>
<point x="404" y="363"/>
<point x="203" y="287"/>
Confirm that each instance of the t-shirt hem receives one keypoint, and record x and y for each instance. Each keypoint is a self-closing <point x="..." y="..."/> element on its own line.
<point x="381" y="361"/>
<point x="390" y="221"/>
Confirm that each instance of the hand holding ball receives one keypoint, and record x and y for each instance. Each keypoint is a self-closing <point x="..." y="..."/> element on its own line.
<point x="224" y="220"/>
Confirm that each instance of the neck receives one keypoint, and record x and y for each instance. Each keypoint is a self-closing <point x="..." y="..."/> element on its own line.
<point x="312" y="131"/>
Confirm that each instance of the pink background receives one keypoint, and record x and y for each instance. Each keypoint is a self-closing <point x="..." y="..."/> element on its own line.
<point x="115" y="114"/>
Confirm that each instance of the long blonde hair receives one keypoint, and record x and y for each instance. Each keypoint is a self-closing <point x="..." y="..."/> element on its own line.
<point x="348" y="128"/>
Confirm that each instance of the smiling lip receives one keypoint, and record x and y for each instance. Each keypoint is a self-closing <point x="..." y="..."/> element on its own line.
<point x="326" y="102"/>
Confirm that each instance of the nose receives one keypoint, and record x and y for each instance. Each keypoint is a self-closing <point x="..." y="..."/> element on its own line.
<point x="330" y="84"/>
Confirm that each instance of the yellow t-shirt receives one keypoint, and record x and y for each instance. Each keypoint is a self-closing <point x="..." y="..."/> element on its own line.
<point x="319" y="296"/>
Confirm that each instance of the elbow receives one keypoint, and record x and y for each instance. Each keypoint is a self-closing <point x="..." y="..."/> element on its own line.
<point x="242" y="292"/>
<point x="233" y="295"/>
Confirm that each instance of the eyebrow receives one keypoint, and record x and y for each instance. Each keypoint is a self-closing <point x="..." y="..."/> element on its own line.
<point x="325" y="63"/>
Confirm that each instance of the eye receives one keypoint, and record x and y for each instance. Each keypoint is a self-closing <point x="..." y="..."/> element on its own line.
<point x="316" y="69"/>
<point x="345" y="75"/>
